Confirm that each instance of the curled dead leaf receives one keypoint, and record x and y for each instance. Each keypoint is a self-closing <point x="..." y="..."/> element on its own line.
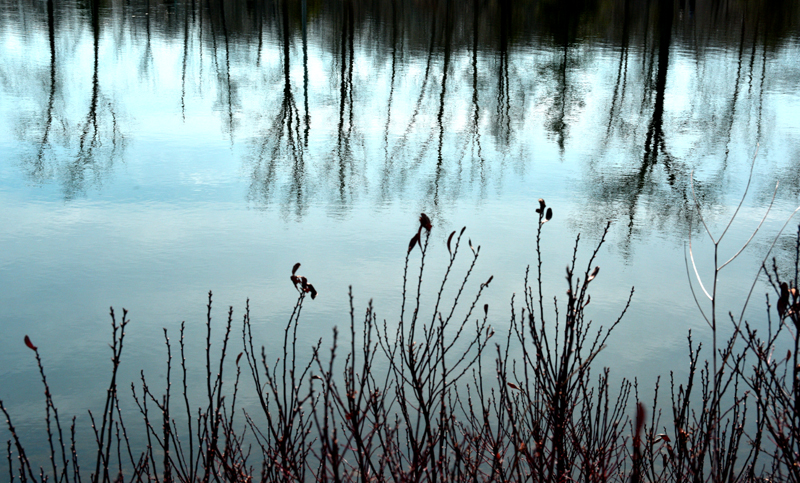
<point x="413" y="242"/>
<point x="425" y="222"/>
<point x="239" y="357"/>
<point x="594" y="273"/>
<point x="29" y="343"/>
<point x="449" y="239"/>
<point x="295" y="267"/>
<point x="513" y="386"/>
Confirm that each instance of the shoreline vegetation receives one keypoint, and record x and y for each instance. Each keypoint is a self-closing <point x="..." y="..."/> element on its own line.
<point x="431" y="413"/>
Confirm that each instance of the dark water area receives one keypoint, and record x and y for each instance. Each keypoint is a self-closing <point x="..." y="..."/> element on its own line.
<point x="151" y="151"/>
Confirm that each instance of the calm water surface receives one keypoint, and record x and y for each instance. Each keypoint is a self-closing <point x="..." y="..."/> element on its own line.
<point x="153" y="151"/>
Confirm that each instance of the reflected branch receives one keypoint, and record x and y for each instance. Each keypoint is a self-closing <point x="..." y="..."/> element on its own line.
<point x="343" y="149"/>
<point x="183" y="64"/>
<point x="503" y="122"/>
<point x="38" y="171"/>
<point x="404" y="139"/>
<point x="655" y="133"/>
<point x="622" y="70"/>
<point x="440" y="115"/>
<point x="387" y="163"/>
<point x="476" y="131"/>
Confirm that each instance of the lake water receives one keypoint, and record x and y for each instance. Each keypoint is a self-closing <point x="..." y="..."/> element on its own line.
<point x="153" y="151"/>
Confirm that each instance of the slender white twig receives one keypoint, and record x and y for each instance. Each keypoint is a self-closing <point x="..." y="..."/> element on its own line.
<point x="691" y="287"/>
<point x="697" y="274"/>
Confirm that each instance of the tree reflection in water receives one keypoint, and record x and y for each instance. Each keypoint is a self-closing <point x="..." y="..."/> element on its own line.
<point x="78" y="152"/>
<point x="442" y="99"/>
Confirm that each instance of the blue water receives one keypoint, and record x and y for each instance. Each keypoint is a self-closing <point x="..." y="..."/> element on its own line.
<point x="165" y="159"/>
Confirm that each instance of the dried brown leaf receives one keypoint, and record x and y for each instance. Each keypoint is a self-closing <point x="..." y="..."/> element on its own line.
<point x="413" y="242"/>
<point x="425" y="222"/>
<point x="29" y="343"/>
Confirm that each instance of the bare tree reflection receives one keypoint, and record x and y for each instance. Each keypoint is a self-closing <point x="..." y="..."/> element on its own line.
<point x="654" y="142"/>
<point x="476" y="151"/>
<point x="503" y="119"/>
<point x="389" y="120"/>
<point x="439" y="172"/>
<point x="387" y="173"/>
<point x="307" y="117"/>
<point x="564" y="95"/>
<point x="227" y="96"/>
<point x="185" y="58"/>
<point x="658" y="190"/>
<point x="283" y="136"/>
<point x="403" y="141"/>
<point x="345" y="128"/>
<point x="78" y="154"/>
<point x="38" y="168"/>
<point x="89" y="161"/>
<point x="618" y="97"/>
